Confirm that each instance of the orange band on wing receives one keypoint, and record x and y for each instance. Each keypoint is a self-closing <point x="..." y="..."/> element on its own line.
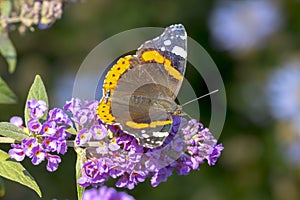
<point x="110" y="82"/>
<point x="135" y="125"/>
<point x="113" y="75"/>
<point x="153" y="55"/>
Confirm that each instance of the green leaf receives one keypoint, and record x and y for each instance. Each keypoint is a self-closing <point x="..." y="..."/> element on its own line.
<point x="6" y="7"/>
<point x="79" y="163"/>
<point x="7" y="48"/>
<point x="12" y="131"/>
<point x="7" y="96"/>
<point x="72" y="130"/>
<point x="2" y="187"/>
<point x="16" y="172"/>
<point x="37" y="91"/>
<point x="8" y="51"/>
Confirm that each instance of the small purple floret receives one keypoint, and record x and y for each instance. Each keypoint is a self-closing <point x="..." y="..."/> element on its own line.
<point x="105" y="193"/>
<point x="16" y="120"/>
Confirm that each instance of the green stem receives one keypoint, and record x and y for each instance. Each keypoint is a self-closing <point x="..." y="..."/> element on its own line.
<point x="71" y="143"/>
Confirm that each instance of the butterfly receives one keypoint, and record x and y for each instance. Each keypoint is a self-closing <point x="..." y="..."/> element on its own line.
<point x="139" y="91"/>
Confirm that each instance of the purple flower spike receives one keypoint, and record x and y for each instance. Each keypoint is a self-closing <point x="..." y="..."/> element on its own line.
<point x="121" y="157"/>
<point x="16" y="120"/>
<point x="46" y="135"/>
<point x="114" y="154"/>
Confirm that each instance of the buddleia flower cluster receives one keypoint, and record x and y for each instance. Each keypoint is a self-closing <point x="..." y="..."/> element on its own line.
<point x="111" y="153"/>
<point x="31" y="13"/>
<point x="47" y="138"/>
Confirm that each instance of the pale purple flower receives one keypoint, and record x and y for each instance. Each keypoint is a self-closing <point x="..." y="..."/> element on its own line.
<point x="83" y="117"/>
<point x="34" y="126"/>
<point x="85" y="181"/>
<point x="16" y="120"/>
<point x="73" y="105"/>
<point x="16" y="152"/>
<point x="161" y="176"/>
<point x="83" y="136"/>
<point x="37" y="108"/>
<point x="61" y="146"/>
<point x="123" y="181"/>
<point x="59" y="116"/>
<point x="53" y="161"/>
<point x="102" y="148"/>
<point x="283" y="95"/>
<point x="113" y="146"/>
<point x="116" y="172"/>
<point x="215" y="154"/>
<point x="49" y="128"/>
<point x="283" y="92"/>
<point x="92" y="105"/>
<point x="38" y="155"/>
<point x="95" y="172"/>
<point x="61" y="132"/>
<point x="49" y="144"/>
<point x="28" y="145"/>
<point x="99" y="131"/>
<point x="105" y="193"/>
<point x="243" y="25"/>
<point x="135" y="178"/>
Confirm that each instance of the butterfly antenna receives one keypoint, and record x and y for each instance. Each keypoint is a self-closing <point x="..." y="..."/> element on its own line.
<point x="186" y="103"/>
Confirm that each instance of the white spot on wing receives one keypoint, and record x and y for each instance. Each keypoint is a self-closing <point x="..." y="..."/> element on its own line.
<point x="145" y="136"/>
<point x="183" y="37"/>
<point x="179" y="51"/>
<point x="167" y="42"/>
<point x="163" y="48"/>
<point x="160" y="134"/>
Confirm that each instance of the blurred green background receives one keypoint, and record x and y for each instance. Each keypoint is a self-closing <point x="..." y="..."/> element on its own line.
<point x="256" y="48"/>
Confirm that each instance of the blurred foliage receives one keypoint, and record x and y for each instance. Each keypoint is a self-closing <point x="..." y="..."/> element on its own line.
<point x="253" y="165"/>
